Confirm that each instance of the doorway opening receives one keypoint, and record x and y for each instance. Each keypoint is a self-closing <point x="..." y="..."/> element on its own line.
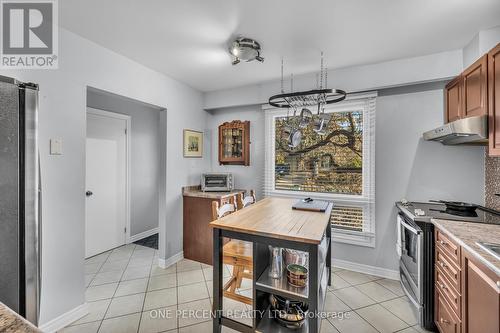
<point x="125" y="171"/>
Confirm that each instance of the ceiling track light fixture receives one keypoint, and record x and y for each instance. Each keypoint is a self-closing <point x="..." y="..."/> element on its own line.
<point x="245" y="49"/>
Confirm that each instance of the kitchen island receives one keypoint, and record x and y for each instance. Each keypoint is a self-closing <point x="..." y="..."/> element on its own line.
<point x="272" y="221"/>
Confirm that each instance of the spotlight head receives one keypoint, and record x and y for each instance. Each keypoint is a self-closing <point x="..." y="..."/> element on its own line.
<point x="244" y="49"/>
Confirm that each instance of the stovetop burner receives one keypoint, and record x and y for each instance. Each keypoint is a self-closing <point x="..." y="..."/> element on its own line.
<point x="461" y="213"/>
<point x="441" y="211"/>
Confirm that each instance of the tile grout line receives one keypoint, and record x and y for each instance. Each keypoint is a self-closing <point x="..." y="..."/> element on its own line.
<point x="396" y="314"/>
<point x="111" y="301"/>
<point x="145" y="293"/>
<point x="177" y="297"/>
<point x="363" y="307"/>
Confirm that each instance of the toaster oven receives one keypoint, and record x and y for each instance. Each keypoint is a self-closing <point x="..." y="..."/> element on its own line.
<point x="217" y="182"/>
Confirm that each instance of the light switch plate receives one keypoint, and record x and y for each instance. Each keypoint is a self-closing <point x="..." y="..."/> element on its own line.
<point x="56" y="147"/>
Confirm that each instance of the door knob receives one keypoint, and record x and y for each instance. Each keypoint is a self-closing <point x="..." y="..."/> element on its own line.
<point x="88" y="193"/>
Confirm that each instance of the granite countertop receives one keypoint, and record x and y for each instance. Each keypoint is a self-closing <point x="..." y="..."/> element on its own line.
<point x="466" y="234"/>
<point x="11" y="322"/>
<point x="195" y="191"/>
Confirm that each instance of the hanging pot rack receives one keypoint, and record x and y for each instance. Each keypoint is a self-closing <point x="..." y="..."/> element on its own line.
<point x="309" y="98"/>
<point x="303" y="101"/>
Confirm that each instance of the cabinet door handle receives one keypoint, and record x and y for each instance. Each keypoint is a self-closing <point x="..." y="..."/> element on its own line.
<point x="443" y="286"/>
<point x="442" y="242"/>
<point x="442" y="264"/>
<point x="444" y="321"/>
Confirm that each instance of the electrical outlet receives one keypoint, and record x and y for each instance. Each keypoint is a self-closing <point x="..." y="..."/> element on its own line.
<point x="56" y="147"/>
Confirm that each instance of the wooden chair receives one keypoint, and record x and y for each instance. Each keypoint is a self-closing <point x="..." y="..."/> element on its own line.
<point x="237" y="253"/>
<point x="245" y="201"/>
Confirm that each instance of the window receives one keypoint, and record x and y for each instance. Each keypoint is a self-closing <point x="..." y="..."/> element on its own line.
<point x="337" y="166"/>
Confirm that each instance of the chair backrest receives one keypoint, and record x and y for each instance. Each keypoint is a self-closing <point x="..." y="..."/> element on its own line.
<point x="228" y="208"/>
<point x="245" y="201"/>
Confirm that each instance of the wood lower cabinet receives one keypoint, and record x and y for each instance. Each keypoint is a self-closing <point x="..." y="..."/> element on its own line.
<point x="197" y="214"/>
<point x="447" y="286"/>
<point x="446" y="320"/>
<point x="467" y="293"/>
<point x="481" y="299"/>
<point x="475" y="86"/>
<point x="494" y="101"/>
<point x="453" y="100"/>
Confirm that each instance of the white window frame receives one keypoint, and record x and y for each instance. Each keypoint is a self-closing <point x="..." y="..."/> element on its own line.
<point x="365" y="103"/>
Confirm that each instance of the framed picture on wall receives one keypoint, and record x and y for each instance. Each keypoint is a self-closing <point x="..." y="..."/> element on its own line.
<point x="193" y="143"/>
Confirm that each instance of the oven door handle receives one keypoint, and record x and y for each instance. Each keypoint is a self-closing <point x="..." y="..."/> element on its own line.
<point x="409" y="227"/>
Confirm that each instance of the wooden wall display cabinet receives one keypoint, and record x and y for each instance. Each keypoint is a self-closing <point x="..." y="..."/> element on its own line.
<point x="234" y="143"/>
<point x="476" y="92"/>
<point x="467" y="293"/>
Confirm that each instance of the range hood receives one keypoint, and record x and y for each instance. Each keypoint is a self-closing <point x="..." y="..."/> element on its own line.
<point x="466" y="131"/>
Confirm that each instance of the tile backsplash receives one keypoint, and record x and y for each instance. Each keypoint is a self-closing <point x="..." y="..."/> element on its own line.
<point x="492" y="182"/>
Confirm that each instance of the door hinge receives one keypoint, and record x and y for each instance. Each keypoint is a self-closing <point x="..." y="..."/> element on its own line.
<point x="125" y="230"/>
<point x="125" y="131"/>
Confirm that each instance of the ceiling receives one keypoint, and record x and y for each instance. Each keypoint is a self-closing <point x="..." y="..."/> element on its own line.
<point x="187" y="39"/>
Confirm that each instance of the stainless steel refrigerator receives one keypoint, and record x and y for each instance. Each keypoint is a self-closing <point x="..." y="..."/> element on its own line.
<point x="20" y="195"/>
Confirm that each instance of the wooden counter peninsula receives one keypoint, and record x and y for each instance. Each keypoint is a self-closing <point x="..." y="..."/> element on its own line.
<point x="272" y="221"/>
<point x="197" y="214"/>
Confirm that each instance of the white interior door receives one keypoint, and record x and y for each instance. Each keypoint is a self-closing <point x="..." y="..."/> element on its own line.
<point x="106" y="182"/>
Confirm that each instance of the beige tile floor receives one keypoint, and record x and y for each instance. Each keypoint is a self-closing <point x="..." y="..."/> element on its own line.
<point x="125" y="290"/>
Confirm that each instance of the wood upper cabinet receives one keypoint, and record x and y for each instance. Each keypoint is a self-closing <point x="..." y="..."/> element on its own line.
<point x="481" y="297"/>
<point x="234" y="143"/>
<point x="453" y="100"/>
<point x="467" y="94"/>
<point x="475" y="86"/>
<point x="494" y="101"/>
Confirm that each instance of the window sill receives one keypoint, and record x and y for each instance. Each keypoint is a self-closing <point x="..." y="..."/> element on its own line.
<point x="353" y="238"/>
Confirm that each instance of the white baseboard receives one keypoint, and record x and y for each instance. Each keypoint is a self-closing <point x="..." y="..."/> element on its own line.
<point x="366" y="269"/>
<point x="164" y="263"/>
<point x="142" y="235"/>
<point x="65" y="319"/>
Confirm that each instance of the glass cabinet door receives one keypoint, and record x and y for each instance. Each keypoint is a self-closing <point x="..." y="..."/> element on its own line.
<point x="232" y="139"/>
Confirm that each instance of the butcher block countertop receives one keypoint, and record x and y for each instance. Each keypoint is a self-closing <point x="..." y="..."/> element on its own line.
<point x="11" y="322"/>
<point x="195" y="191"/>
<point x="466" y="234"/>
<point x="274" y="217"/>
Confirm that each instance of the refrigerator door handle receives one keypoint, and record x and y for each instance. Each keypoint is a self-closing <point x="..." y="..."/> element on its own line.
<point x="39" y="296"/>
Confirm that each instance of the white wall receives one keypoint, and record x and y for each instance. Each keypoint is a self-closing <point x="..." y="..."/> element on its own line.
<point x="62" y="115"/>
<point x="394" y="73"/>
<point x="408" y="167"/>
<point x="144" y="156"/>
<point x="245" y="177"/>
<point x="482" y="42"/>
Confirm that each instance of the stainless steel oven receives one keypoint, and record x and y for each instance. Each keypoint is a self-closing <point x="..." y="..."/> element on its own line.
<point x="411" y="238"/>
<point x="415" y="247"/>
